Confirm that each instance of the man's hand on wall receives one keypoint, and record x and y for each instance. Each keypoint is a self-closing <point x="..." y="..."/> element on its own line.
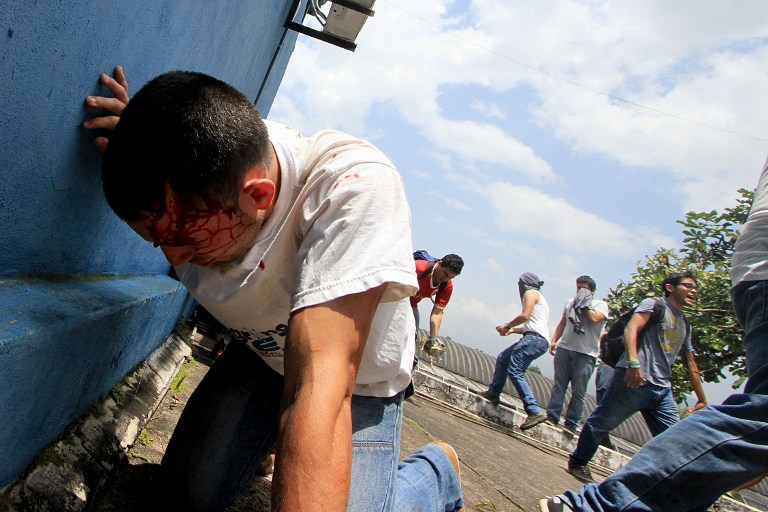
<point x="115" y="105"/>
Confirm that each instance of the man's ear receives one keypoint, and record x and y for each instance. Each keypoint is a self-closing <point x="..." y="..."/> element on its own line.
<point x="257" y="194"/>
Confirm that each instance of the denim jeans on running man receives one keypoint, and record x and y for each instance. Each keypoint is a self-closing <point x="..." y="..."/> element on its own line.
<point x="513" y="362"/>
<point x="709" y="453"/>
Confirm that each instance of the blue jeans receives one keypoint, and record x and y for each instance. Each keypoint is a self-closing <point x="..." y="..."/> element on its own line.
<point x="620" y="402"/>
<point x="709" y="453"/>
<point x="231" y="422"/>
<point x="603" y="377"/>
<point x="574" y="368"/>
<point x="513" y="362"/>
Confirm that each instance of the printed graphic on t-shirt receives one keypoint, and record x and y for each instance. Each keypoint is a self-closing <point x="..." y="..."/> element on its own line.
<point x="674" y="332"/>
<point x="265" y="343"/>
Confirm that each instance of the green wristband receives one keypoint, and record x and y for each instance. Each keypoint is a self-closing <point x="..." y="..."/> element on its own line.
<point x="635" y="365"/>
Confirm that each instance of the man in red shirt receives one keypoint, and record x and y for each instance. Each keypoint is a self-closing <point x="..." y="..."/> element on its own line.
<point x="435" y="280"/>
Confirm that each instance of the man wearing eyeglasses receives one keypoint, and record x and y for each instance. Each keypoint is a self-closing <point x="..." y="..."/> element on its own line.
<point x="722" y="447"/>
<point x="654" y="336"/>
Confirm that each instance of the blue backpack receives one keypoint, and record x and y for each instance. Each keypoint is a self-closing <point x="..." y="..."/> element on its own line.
<point x="421" y="254"/>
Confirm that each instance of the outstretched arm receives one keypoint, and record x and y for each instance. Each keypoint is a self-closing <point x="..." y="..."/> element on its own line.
<point x="530" y="299"/>
<point x="322" y="355"/>
<point x="118" y="85"/>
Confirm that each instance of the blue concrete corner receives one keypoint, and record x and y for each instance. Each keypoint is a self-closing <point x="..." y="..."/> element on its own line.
<point x="64" y="343"/>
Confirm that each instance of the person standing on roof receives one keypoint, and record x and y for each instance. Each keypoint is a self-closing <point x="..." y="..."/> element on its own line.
<point x="721" y="447"/>
<point x="654" y="336"/>
<point x="435" y="279"/>
<point x="575" y="345"/>
<point x="512" y="362"/>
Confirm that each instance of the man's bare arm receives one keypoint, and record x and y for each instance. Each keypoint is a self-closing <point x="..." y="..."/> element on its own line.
<point x="595" y="316"/>
<point x="435" y="319"/>
<point x="634" y="377"/>
<point x="556" y="336"/>
<point x="694" y="377"/>
<point x="530" y="299"/>
<point x="323" y="350"/>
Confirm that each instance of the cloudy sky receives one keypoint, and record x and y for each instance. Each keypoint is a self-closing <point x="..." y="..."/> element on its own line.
<point x="556" y="137"/>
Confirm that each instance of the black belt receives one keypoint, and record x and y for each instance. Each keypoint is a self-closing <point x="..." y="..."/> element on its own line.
<point x="531" y="333"/>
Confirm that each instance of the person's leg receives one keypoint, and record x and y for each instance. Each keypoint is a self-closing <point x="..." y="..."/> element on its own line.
<point x="690" y="465"/>
<point x="619" y="403"/>
<point x="424" y="480"/>
<point x="582" y="366"/>
<point x="714" y="450"/>
<point x="417" y="337"/>
<point x="500" y="372"/>
<point x="522" y="355"/>
<point x="562" y="365"/>
<point x="662" y="415"/>
<point x="228" y="426"/>
<point x="751" y="305"/>
<point x="376" y="424"/>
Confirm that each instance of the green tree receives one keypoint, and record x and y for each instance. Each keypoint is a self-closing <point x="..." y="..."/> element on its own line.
<point x="708" y="243"/>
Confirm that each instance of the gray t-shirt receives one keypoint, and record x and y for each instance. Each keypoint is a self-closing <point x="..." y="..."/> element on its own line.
<point x="659" y="345"/>
<point x="589" y="342"/>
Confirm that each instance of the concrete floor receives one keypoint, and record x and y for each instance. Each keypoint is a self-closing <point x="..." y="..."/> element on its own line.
<point x="502" y="469"/>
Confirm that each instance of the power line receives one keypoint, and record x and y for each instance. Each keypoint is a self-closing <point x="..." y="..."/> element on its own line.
<point x="574" y="83"/>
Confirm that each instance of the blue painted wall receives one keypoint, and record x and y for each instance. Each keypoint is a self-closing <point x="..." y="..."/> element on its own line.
<point x="83" y="300"/>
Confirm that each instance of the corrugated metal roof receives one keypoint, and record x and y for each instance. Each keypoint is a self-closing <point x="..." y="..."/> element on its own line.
<point x="477" y="366"/>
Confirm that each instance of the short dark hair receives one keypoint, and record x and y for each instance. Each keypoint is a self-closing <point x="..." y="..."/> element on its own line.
<point x="190" y="130"/>
<point x="588" y="281"/>
<point x="452" y="262"/>
<point x="675" y="278"/>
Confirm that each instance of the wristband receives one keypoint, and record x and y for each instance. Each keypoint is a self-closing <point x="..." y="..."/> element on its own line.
<point x="635" y="365"/>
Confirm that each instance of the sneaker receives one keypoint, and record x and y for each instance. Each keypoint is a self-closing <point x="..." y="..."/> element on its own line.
<point x="494" y="399"/>
<point x="581" y="473"/>
<point x="453" y="457"/>
<point x="554" y="504"/>
<point x="533" y="419"/>
<point x="552" y="421"/>
<point x="570" y="430"/>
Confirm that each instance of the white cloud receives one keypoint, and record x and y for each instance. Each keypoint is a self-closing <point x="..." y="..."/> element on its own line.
<point x="528" y="212"/>
<point x="486" y="109"/>
<point x="504" y="103"/>
<point x="453" y="202"/>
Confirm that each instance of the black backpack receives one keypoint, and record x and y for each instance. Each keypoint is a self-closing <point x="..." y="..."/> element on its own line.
<point x="612" y="342"/>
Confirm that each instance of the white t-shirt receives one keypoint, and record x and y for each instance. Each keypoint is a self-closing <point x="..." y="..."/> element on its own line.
<point x="341" y="225"/>
<point x="539" y="318"/>
<point x="749" y="262"/>
<point x="589" y="342"/>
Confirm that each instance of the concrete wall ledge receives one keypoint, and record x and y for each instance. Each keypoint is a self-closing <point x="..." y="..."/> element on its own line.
<point x="70" y="471"/>
<point x="65" y="342"/>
